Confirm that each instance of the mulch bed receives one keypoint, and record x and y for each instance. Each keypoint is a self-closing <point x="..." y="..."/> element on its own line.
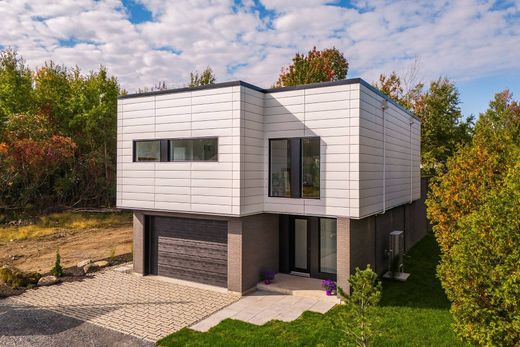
<point x="71" y="274"/>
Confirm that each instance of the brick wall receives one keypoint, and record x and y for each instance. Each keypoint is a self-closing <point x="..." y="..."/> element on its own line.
<point x="139" y="244"/>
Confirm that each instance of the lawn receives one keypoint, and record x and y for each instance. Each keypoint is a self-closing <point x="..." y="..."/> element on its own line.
<point x="414" y="313"/>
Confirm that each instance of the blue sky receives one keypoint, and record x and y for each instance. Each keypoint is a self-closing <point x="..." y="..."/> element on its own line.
<point x="476" y="43"/>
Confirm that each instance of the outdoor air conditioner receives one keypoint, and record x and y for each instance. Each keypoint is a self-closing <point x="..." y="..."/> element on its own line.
<point x="395" y="254"/>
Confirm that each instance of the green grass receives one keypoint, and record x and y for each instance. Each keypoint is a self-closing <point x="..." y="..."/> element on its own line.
<point x="56" y="222"/>
<point x="414" y="313"/>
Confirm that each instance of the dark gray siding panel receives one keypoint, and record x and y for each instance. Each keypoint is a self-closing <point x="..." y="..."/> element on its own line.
<point x="189" y="249"/>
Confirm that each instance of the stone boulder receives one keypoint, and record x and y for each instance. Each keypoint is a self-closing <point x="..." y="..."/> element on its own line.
<point x="101" y="263"/>
<point x="91" y="267"/>
<point x="47" y="281"/>
<point x="83" y="263"/>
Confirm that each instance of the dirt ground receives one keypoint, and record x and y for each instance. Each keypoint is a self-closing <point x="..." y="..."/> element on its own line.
<point x="38" y="254"/>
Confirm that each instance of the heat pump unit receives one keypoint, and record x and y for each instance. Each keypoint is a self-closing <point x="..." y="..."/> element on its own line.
<point x="395" y="254"/>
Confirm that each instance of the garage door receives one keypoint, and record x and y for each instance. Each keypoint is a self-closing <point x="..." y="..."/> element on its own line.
<point x="189" y="249"/>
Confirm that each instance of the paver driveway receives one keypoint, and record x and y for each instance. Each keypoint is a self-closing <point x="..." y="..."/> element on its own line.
<point x="139" y="306"/>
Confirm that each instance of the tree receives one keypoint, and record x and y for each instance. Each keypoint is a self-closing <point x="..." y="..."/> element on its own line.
<point x="57" y="270"/>
<point x="393" y="87"/>
<point x="317" y="66"/>
<point x="57" y="135"/>
<point x="15" y="86"/>
<point x="443" y="127"/>
<point x="357" y="318"/>
<point x="474" y="206"/>
<point x="199" y="79"/>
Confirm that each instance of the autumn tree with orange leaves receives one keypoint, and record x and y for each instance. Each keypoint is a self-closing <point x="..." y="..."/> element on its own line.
<point x="316" y="66"/>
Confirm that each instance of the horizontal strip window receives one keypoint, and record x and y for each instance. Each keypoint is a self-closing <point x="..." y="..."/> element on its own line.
<point x="181" y="150"/>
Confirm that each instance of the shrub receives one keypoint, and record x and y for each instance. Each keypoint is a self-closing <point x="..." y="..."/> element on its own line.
<point x="57" y="270"/>
<point x="475" y="207"/>
<point x="16" y="278"/>
<point x="357" y="319"/>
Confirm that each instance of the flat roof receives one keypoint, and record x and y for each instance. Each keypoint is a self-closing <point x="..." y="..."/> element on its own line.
<point x="272" y="90"/>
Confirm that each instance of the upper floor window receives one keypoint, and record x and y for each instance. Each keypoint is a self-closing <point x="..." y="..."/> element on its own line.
<point x="294" y="167"/>
<point x="197" y="149"/>
<point x="147" y="150"/>
<point x="203" y="149"/>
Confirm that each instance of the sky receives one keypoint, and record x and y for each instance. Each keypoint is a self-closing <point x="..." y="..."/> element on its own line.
<point x="476" y="43"/>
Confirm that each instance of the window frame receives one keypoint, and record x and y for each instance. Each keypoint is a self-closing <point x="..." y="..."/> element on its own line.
<point x="170" y="155"/>
<point x="296" y="167"/>
<point x="164" y="150"/>
<point x="134" y="150"/>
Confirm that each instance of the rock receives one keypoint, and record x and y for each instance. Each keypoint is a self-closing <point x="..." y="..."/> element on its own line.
<point x="89" y="268"/>
<point x="83" y="263"/>
<point x="101" y="263"/>
<point x="16" y="278"/>
<point x="47" y="281"/>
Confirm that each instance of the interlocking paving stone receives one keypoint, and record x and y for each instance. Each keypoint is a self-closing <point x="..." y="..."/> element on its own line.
<point x="140" y="306"/>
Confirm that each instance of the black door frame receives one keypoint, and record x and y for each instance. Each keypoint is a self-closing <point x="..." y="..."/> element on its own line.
<point x="313" y="247"/>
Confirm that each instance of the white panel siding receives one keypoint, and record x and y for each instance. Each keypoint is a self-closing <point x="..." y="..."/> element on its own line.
<point x="389" y="155"/>
<point x="211" y="187"/>
<point x="323" y="112"/>
<point x="347" y="118"/>
<point x="252" y="151"/>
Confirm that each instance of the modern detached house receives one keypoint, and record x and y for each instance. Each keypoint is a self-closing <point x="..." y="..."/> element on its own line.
<point x="228" y="180"/>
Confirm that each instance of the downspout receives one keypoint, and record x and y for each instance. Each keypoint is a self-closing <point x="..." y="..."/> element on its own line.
<point x="411" y="163"/>
<point x="384" y="106"/>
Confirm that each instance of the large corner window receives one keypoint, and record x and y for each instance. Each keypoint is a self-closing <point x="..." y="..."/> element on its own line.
<point x="147" y="150"/>
<point x="294" y="166"/>
<point x="328" y="245"/>
<point x="203" y="149"/>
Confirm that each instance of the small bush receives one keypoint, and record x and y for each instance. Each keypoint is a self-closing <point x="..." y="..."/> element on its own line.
<point x="57" y="270"/>
<point x="357" y="319"/>
<point x="16" y="278"/>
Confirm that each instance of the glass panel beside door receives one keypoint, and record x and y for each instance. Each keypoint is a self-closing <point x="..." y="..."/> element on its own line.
<point x="300" y="244"/>
<point x="328" y="245"/>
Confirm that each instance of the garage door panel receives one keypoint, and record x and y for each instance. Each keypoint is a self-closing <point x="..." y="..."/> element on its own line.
<point x="193" y="252"/>
<point x="190" y="249"/>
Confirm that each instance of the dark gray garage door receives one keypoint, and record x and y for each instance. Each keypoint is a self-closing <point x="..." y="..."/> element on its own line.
<point x="189" y="249"/>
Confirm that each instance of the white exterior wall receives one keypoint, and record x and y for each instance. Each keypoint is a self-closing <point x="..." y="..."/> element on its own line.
<point x="330" y="113"/>
<point x="252" y="150"/>
<point x="199" y="187"/>
<point x="347" y="118"/>
<point x="393" y="142"/>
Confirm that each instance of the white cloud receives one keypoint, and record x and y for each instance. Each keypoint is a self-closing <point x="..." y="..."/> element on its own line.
<point x="463" y="39"/>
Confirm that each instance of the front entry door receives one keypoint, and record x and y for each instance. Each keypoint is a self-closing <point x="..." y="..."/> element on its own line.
<point x="300" y="245"/>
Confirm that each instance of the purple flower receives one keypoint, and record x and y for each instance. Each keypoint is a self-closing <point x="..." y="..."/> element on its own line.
<point x="328" y="284"/>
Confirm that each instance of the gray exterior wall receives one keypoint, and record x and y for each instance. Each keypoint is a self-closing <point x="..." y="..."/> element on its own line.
<point x="260" y="247"/>
<point x="369" y="237"/>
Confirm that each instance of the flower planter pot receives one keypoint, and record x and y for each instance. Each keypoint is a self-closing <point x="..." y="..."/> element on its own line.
<point x="267" y="281"/>
<point x="328" y="292"/>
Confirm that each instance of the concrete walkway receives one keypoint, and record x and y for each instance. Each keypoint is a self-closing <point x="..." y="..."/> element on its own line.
<point x="261" y="306"/>
<point x="142" y="307"/>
